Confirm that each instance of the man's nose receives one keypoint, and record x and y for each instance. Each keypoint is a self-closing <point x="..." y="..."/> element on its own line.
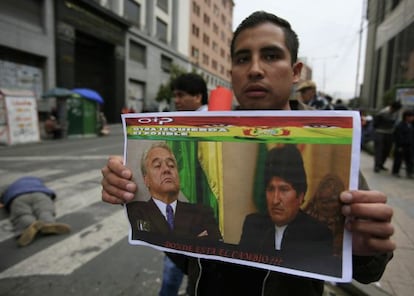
<point x="276" y="199"/>
<point x="256" y="69"/>
<point x="165" y="167"/>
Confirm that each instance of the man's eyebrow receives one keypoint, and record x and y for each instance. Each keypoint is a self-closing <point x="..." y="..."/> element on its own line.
<point x="161" y="159"/>
<point x="171" y="159"/>
<point x="242" y="51"/>
<point x="155" y="159"/>
<point x="272" y="48"/>
<point x="263" y="49"/>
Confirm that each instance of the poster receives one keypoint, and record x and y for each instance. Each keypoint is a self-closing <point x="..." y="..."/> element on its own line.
<point x="258" y="188"/>
<point x="18" y="117"/>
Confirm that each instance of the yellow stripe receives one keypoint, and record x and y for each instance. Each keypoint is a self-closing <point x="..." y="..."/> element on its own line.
<point x="210" y="157"/>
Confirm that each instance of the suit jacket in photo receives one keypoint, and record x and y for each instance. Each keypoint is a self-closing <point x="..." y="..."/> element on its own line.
<point x="190" y="220"/>
<point x="307" y="244"/>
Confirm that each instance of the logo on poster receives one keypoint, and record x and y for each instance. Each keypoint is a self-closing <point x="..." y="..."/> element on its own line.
<point x="159" y="120"/>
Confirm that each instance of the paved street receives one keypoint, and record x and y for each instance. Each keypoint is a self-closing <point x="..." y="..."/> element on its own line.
<point x="95" y="259"/>
<point x="399" y="276"/>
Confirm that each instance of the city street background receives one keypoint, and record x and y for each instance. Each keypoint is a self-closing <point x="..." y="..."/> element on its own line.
<point x="96" y="259"/>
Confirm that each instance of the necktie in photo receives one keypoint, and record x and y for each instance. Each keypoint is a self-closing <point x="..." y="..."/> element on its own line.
<point x="170" y="216"/>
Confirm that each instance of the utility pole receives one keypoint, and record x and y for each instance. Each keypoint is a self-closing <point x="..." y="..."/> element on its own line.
<point x="361" y="29"/>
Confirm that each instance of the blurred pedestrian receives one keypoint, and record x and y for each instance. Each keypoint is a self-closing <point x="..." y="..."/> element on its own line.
<point x="310" y="97"/>
<point x="103" y="125"/>
<point x="31" y="207"/>
<point x="52" y="127"/>
<point x="190" y="94"/>
<point x="384" y="123"/>
<point x="367" y="128"/>
<point x="339" y="105"/>
<point x="404" y="144"/>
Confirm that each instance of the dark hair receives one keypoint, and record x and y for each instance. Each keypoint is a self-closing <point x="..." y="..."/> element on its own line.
<point x="192" y="84"/>
<point x="396" y="105"/>
<point x="261" y="17"/>
<point x="286" y="163"/>
<point x="407" y="113"/>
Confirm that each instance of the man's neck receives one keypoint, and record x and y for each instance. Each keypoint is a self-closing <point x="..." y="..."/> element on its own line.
<point x="165" y="198"/>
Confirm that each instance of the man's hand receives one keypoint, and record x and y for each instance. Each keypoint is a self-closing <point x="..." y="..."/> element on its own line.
<point x="369" y="220"/>
<point x="117" y="187"/>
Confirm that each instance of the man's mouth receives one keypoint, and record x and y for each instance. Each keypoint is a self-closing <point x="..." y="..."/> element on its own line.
<point x="276" y="210"/>
<point x="255" y="91"/>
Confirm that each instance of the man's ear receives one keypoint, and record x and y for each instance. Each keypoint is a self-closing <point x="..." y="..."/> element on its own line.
<point x="146" y="181"/>
<point x="297" y="70"/>
<point x="301" y="197"/>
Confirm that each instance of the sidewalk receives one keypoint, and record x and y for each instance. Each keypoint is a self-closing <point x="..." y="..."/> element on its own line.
<point x="398" y="278"/>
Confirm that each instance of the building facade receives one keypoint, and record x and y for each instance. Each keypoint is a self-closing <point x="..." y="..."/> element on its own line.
<point x="124" y="49"/>
<point x="389" y="57"/>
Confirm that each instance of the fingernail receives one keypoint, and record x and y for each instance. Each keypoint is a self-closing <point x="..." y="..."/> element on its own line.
<point x="125" y="173"/>
<point x="128" y="196"/>
<point x="130" y="187"/>
<point x="346" y="197"/>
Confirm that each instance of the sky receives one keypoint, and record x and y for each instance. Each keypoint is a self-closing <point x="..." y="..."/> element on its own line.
<point x="329" y="38"/>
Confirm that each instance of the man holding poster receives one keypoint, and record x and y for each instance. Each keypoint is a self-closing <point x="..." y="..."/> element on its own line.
<point x="264" y="70"/>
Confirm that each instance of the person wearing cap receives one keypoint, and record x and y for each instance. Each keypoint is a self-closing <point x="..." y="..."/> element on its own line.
<point x="286" y="231"/>
<point x="404" y="144"/>
<point x="310" y="97"/>
<point x="384" y="123"/>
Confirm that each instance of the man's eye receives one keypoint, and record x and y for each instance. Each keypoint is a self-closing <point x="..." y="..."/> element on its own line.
<point x="241" y="59"/>
<point x="285" y="189"/>
<point x="270" y="56"/>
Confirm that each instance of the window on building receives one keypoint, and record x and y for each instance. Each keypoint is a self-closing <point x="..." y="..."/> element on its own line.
<point x="137" y="52"/>
<point x="222" y="52"/>
<point x="215" y="46"/>
<point x="29" y="12"/>
<point x="215" y="28"/>
<point x="132" y="11"/>
<point x="223" y="19"/>
<point x="194" y="52"/>
<point x="161" y="30"/>
<point x="195" y="30"/>
<point x="214" y="64"/>
<point x="163" y="5"/>
<point x="166" y="63"/>
<point x="206" y="39"/>
<point x="216" y="10"/>
<point x="206" y="60"/>
<point x="223" y="36"/>
<point x="196" y="8"/>
<point x="206" y="20"/>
